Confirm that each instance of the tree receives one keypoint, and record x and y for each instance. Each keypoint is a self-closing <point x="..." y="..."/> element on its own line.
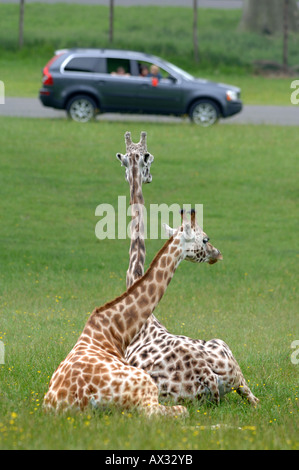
<point x="285" y="34"/>
<point x="267" y="16"/>
<point x="111" y="20"/>
<point x="195" y="32"/>
<point x="272" y="17"/>
<point x="21" y="23"/>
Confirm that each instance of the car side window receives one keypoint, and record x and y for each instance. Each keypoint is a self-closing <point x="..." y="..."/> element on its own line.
<point x="86" y="64"/>
<point x="148" y="70"/>
<point x="117" y="66"/>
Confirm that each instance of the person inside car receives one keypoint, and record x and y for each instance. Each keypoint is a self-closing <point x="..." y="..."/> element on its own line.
<point x="155" y="72"/>
<point x="120" y="71"/>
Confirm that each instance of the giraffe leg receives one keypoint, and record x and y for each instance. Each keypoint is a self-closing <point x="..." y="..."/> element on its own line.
<point x="138" y="390"/>
<point x="151" y="406"/>
<point x="244" y="391"/>
<point x="209" y="382"/>
<point x="172" y="411"/>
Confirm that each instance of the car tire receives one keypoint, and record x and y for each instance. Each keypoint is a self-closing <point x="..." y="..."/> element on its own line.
<point x="204" y="112"/>
<point x="81" y="108"/>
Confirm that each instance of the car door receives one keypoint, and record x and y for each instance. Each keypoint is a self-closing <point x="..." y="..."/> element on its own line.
<point x="117" y="90"/>
<point x="163" y="96"/>
<point x="118" y="93"/>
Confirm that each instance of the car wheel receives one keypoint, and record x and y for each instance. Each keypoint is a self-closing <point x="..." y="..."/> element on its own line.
<point x="81" y="108"/>
<point x="204" y="113"/>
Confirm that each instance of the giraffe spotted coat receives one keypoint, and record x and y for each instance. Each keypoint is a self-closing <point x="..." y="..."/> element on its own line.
<point x="95" y="371"/>
<point x="180" y="366"/>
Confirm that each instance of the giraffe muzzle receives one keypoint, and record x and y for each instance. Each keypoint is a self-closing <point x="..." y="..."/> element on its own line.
<point x="218" y="256"/>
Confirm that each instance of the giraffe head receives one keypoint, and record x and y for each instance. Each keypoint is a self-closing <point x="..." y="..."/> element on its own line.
<point x="137" y="159"/>
<point x="194" y="241"/>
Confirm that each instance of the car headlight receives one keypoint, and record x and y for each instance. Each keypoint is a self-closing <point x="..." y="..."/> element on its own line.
<point x="231" y="95"/>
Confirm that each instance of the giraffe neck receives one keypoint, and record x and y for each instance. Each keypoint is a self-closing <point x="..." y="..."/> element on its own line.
<point x="121" y="319"/>
<point x="137" y="246"/>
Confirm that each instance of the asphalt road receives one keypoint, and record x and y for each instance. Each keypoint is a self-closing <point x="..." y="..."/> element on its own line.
<point x="278" y="115"/>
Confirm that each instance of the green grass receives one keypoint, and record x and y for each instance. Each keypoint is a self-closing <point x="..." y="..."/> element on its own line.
<point x="54" y="271"/>
<point x="226" y="54"/>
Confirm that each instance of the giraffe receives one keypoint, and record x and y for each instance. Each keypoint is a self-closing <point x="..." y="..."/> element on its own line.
<point x="95" y="371"/>
<point x="174" y="373"/>
<point x="137" y="162"/>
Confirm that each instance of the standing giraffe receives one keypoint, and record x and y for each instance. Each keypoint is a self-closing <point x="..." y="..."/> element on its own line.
<point x="95" y="371"/>
<point x="175" y="373"/>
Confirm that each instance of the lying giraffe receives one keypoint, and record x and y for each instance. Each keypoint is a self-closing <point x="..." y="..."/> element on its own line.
<point x="173" y="361"/>
<point x="137" y="162"/>
<point x="95" y="371"/>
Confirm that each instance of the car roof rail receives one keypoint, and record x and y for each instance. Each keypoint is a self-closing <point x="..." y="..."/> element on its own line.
<point x="61" y="51"/>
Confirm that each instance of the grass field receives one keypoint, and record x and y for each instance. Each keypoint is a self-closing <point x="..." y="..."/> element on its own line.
<point x="54" y="271"/>
<point x="226" y="54"/>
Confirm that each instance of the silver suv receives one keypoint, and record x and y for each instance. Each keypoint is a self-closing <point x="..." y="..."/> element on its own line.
<point x="86" y="82"/>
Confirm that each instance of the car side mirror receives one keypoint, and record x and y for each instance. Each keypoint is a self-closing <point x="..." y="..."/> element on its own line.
<point x="172" y="79"/>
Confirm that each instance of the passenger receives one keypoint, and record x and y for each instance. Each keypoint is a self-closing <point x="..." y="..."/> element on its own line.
<point x="144" y="71"/>
<point x="155" y="72"/>
<point x="120" y="71"/>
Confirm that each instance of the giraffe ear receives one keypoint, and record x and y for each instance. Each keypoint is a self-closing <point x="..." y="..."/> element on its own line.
<point x="169" y="231"/>
<point x="148" y="158"/>
<point x="123" y="159"/>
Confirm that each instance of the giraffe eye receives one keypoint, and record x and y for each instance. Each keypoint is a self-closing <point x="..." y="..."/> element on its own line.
<point x="206" y="239"/>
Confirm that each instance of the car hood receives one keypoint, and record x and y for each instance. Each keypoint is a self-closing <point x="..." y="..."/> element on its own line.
<point x="202" y="81"/>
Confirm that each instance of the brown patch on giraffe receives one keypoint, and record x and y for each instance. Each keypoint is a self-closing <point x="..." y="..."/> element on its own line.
<point x="142" y="302"/>
<point x="62" y="394"/>
<point x="116" y="385"/>
<point x="88" y="368"/>
<point x="96" y="380"/>
<point x="119" y="323"/>
<point x="159" y="275"/>
<point x="130" y="317"/>
<point x="129" y="300"/>
<point x="163" y="262"/>
<point x="146" y="313"/>
<point x="169" y="260"/>
<point x="150" y="277"/>
<point x="151" y="289"/>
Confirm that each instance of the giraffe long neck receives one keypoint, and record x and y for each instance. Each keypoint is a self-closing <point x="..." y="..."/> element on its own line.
<point x="137" y="246"/>
<point x="122" y="318"/>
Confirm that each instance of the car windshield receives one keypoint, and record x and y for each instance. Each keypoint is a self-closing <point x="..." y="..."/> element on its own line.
<point x="176" y="69"/>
